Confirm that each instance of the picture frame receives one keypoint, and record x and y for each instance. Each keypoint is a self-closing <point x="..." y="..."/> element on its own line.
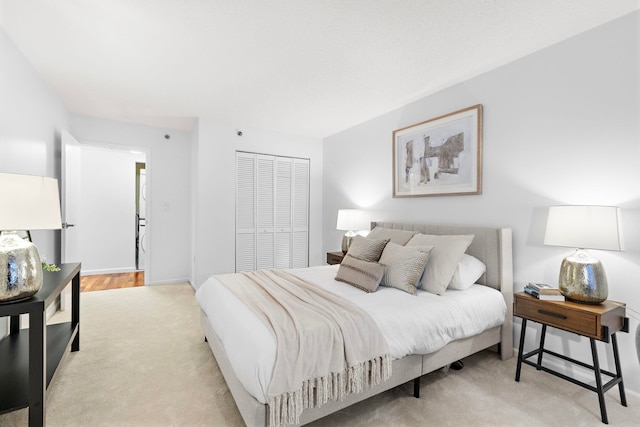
<point x="440" y="156"/>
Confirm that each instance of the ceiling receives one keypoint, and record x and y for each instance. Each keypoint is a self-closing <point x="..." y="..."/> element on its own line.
<point x="305" y="67"/>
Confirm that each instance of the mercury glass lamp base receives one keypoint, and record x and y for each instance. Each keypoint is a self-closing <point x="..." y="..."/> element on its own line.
<point x="346" y="241"/>
<point x="20" y="268"/>
<point x="582" y="279"/>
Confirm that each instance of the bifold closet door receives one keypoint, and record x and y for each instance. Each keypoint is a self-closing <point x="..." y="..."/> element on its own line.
<point x="300" y="212"/>
<point x="272" y="210"/>
<point x="245" y="211"/>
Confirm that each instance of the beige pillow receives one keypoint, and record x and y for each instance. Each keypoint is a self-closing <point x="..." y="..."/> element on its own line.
<point x="443" y="259"/>
<point x="399" y="237"/>
<point x="366" y="249"/>
<point x="403" y="266"/>
<point x="361" y="274"/>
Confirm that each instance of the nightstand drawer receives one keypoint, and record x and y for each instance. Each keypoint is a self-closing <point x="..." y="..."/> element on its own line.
<point x="558" y="316"/>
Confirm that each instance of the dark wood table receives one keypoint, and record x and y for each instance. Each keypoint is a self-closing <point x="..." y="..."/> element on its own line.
<point x="30" y="357"/>
<point x="334" y="257"/>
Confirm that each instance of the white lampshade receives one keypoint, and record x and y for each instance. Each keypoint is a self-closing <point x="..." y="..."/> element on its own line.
<point x="351" y="220"/>
<point x="586" y="227"/>
<point x="26" y="203"/>
<point x="582" y="277"/>
<point x="29" y="203"/>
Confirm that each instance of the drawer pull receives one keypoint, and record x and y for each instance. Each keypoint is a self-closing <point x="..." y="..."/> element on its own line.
<point x="552" y="314"/>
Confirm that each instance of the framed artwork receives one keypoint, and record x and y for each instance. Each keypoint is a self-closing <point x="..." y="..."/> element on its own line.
<point x="439" y="157"/>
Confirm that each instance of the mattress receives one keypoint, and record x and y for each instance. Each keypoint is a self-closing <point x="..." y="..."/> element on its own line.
<point x="411" y="324"/>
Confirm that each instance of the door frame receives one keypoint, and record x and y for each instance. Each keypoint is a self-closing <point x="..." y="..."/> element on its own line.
<point x="146" y="151"/>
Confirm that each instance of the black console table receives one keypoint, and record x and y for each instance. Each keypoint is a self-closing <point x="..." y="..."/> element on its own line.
<point x="30" y="357"/>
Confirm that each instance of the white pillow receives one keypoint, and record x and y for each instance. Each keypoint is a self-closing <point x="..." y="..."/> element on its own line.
<point x="469" y="270"/>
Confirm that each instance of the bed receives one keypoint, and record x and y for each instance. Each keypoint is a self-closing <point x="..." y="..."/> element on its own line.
<point x="490" y="245"/>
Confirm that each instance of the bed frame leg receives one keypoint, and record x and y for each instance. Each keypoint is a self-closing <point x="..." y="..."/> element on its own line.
<point x="416" y="388"/>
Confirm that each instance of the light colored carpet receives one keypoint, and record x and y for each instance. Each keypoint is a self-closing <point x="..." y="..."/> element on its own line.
<point x="143" y="362"/>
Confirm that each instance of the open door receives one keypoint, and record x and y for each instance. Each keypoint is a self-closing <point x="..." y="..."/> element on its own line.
<point x="70" y="194"/>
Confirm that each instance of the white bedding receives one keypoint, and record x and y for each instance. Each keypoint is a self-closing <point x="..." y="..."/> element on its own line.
<point x="411" y="324"/>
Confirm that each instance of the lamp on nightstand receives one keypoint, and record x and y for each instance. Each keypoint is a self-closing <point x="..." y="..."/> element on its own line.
<point x="350" y="220"/>
<point x="26" y="203"/>
<point x="582" y="277"/>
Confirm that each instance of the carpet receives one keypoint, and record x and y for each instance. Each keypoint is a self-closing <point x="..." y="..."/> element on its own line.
<point x="143" y="362"/>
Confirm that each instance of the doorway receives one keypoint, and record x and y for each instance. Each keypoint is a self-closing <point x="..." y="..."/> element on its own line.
<point x="141" y="216"/>
<point x="102" y="210"/>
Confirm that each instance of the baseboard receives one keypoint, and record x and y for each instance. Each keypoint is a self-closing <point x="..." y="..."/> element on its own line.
<point x="170" y="281"/>
<point x="108" y="271"/>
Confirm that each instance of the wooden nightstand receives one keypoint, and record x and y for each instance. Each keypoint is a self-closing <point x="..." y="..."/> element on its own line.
<point x="334" y="257"/>
<point x="597" y="322"/>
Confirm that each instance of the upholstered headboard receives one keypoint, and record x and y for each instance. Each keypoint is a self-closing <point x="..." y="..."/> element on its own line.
<point x="493" y="247"/>
<point x="490" y="245"/>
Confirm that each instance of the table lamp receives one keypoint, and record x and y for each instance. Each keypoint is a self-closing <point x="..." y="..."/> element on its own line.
<point x="350" y="220"/>
<point x="26" y="203"/>
<point x="582" y="277"/>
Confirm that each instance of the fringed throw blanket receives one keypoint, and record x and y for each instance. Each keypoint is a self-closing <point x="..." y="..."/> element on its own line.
<point x="327" y="347"/>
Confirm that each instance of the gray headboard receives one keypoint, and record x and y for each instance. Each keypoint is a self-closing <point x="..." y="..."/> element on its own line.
<point x="490" y="245"/>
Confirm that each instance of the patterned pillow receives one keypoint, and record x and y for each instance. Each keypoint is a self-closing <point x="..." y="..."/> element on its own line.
<point x="366" y="249"/>
<point x="443" y="260"/>
<point x="403" y="266"/>
<point x="399" y="237"/>
<point x="361" y="274"/>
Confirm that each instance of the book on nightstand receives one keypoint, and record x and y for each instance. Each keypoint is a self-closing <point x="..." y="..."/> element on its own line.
<point x="543" y="288"/>
<point x="544" y="292"/>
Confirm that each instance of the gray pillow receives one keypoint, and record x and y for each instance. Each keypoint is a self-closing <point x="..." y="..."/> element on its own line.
<point x="403" y="266"/>
<point x="443" y="259"/>
<point x="361" y="274"/>
<point x="367" y="249"/>
<point x="399" y="237"/>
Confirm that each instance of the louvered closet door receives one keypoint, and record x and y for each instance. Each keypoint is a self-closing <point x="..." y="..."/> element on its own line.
<point x="265" y="212"/>
<point x="282" y="196"/>
<point x="245" y="211"/>
<point x="272" y="212"/>
<point x="300" y="212"/>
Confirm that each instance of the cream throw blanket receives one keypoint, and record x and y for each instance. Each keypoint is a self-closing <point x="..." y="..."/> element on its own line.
<point x="327" y="347"/>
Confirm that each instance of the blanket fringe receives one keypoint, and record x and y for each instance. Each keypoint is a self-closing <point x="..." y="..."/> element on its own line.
<point x="286" y="408"/>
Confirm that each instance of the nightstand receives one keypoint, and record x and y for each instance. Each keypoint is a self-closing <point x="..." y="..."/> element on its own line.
<point x="334" y="257"/>
<point x="31" y="357"/>
<point x="596" y="322"/>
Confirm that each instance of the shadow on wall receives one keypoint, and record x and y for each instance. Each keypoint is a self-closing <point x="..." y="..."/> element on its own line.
<point x="638" y="341"/>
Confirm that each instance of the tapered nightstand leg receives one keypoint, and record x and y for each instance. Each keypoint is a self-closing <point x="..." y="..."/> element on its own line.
<point x="596" y="368"/>
<point x="521" y="348"/>
<point x="616" y="358"/>
<point x="543" y="334"/>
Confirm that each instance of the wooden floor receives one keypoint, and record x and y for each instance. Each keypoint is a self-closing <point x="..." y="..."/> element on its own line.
<point x="102" y="282"/>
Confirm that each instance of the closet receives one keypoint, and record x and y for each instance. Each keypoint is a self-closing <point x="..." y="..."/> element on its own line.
<point x="272" y="211"/>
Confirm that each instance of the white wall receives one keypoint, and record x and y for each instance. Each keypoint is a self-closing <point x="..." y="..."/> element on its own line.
<point x="108" y="210"/>
<point x="168" y="183"/>
<point x="31" y="119"/>
<point x="561" y="126"/>
<point x="30" y="125"/>
<point x="214" y="190"/>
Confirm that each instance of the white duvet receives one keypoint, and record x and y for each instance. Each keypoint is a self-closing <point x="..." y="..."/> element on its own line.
<point x="411" y="324"/>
